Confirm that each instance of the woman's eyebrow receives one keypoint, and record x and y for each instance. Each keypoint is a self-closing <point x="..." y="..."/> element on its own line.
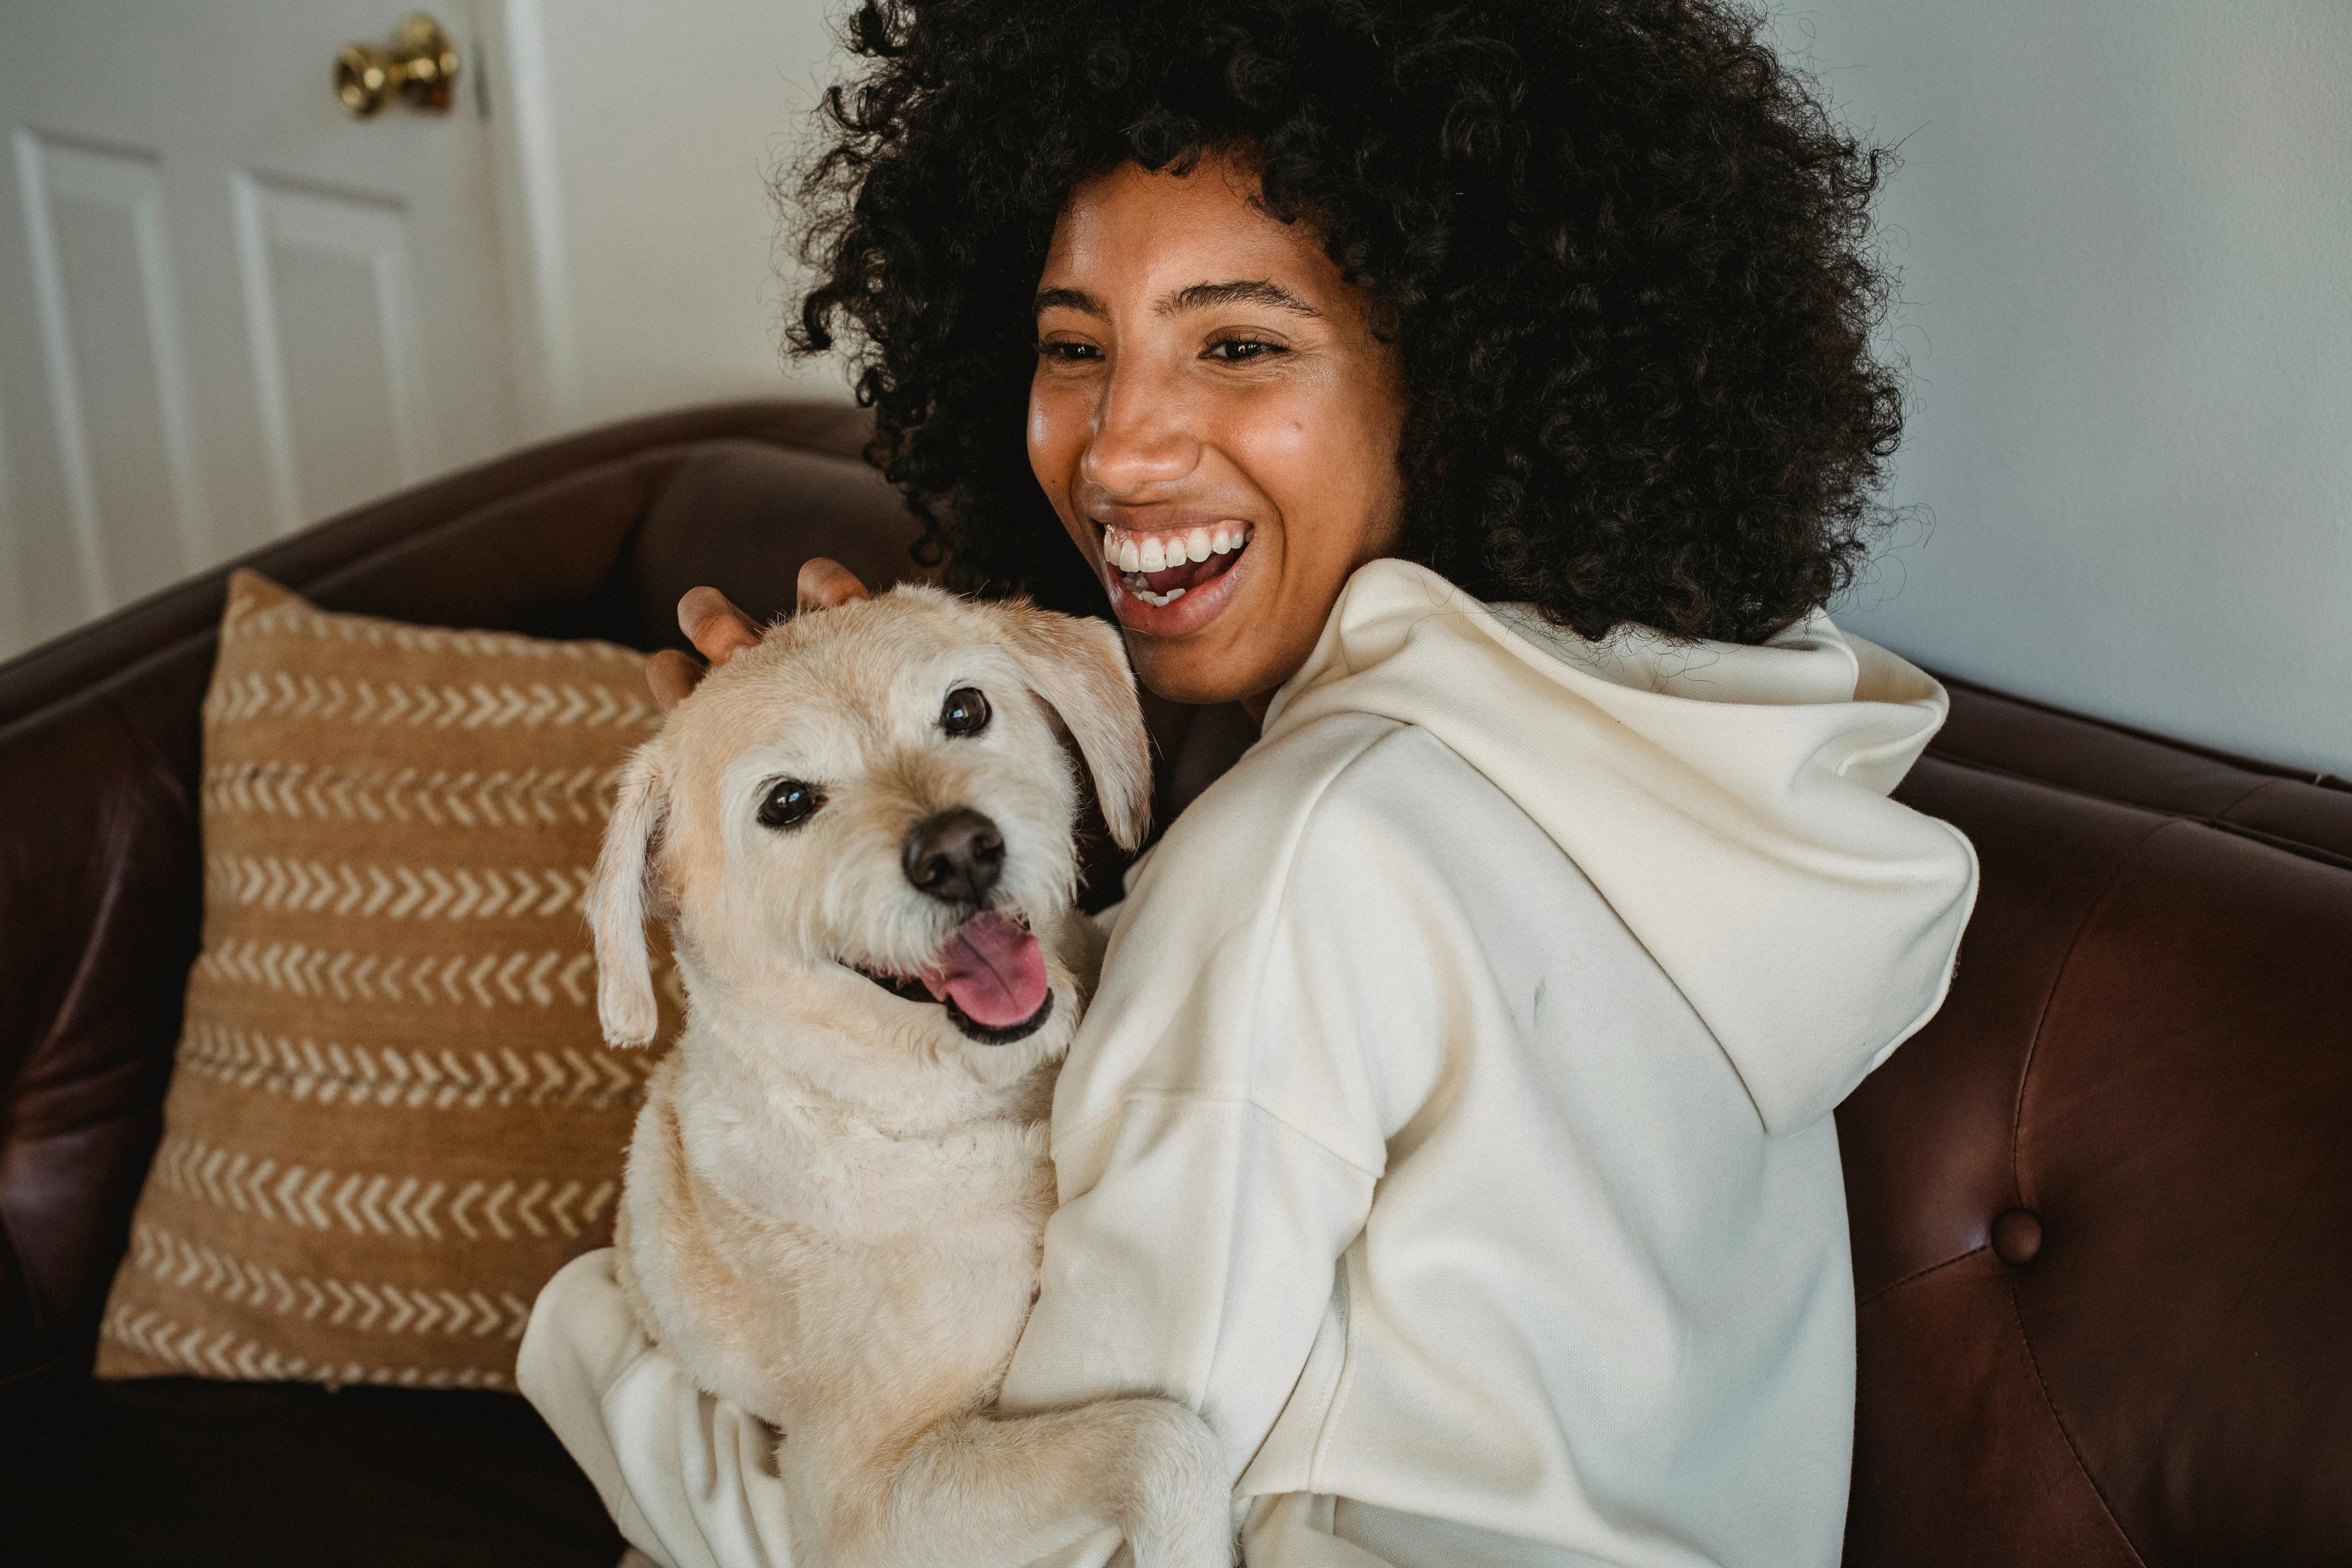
<point x="1255" y="291"/>
<point x="1195" y="296"/>
<point x="1077" y="300"/>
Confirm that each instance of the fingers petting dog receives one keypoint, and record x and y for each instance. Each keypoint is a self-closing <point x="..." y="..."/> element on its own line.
<point x="719" y="631"/>
<point x="672" y="676"/>
<point x="827" y="584"/>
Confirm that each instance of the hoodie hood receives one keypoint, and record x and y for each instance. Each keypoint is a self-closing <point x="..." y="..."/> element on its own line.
<point x="1730" y="803"/>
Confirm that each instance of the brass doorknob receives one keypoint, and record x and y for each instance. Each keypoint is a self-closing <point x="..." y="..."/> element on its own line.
<point x="419" y="66"/>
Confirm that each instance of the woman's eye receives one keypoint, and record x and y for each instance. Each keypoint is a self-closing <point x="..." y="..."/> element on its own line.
<point x="1232" y="350"/>
<point x="789" y="802"/>
<point x="965" y="713"/>
<point x="1068" y="353"/>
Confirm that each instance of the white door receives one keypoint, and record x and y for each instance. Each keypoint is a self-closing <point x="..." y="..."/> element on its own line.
<point x="227" y="309"/>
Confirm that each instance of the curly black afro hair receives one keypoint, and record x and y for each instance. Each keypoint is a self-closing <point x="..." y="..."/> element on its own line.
<point x="1623" y="252"/>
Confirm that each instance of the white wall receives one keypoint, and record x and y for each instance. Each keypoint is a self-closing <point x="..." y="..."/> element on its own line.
<point x="2126" y="233"/>
<point x="639" y="213"/>
<point x="2124" y="227"/>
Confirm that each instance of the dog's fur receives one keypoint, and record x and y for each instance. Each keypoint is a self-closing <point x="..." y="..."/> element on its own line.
<point x="834" y="1200"/>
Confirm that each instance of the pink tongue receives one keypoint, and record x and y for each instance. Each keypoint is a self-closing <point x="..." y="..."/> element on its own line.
<point x="993" y="969"/>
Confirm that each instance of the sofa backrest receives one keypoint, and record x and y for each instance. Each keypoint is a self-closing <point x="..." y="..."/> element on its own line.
<point x="2102" y="1206"/>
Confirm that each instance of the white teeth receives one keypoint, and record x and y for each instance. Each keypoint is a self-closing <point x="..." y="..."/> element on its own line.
<point x="1142" y="590"/>
<point x="1156" y="553"/>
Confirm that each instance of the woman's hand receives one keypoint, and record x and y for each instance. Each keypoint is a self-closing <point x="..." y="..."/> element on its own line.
<point x="719" y="631"/>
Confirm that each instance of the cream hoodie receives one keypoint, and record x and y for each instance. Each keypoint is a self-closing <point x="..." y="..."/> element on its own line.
<point x="1452" y="1127"/>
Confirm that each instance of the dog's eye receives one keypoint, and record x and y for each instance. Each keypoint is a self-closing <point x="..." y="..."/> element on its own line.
<point x="790" y="802"/>
<point x="965" y="713"/>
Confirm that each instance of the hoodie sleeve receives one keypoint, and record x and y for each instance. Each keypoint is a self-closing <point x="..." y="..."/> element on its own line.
<point x="1267" y="1020"/>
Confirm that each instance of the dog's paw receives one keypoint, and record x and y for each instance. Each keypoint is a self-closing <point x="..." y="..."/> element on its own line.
<point x="1178" y="1512"/>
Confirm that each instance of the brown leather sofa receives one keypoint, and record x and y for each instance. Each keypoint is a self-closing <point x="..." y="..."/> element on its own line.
<point x="2102" y="1206"/>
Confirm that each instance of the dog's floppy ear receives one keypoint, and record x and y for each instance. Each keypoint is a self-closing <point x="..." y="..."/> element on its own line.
<point x="616" y="904"/>
<point x="1080" y="668"/>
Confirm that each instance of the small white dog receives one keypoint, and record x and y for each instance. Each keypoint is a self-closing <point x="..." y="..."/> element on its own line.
<point x="859" y="831"/>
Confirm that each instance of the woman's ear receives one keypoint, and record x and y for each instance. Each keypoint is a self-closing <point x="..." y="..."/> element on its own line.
<point x="1079" y="667"/>
<point x="617" y="902"/>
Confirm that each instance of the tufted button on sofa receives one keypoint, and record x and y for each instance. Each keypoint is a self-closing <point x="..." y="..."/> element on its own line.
<point x="2017" y="1236"/>
<point x="2101" y="1207"/>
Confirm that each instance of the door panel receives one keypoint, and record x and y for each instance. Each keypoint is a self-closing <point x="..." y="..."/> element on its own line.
<point x="108" y="309"/>
<point x="331" y="310"/>
<point x="226" y="309"/>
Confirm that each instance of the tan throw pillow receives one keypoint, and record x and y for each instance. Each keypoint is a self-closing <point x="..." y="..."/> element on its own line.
<point x="391" y="1114"/>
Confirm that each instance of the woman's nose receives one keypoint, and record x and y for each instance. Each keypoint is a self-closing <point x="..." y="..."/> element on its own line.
<point x="1140" y="438"/>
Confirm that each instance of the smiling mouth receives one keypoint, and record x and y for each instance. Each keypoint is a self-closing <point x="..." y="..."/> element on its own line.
<point x="908" y="989"/>
<point x="1162" y="568"/>
<point x="990" y="977"/>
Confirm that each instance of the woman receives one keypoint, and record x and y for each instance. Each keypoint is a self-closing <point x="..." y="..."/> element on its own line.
<point x="1483" y="398"/>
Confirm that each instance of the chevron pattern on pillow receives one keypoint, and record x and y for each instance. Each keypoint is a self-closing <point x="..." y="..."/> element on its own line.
<point x="391" y="1114"/>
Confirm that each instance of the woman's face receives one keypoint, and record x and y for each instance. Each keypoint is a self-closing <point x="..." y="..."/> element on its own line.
<point x="1216" y="423"/>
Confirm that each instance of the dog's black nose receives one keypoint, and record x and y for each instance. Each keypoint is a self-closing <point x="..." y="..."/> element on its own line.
<point x="955" y="856"/>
